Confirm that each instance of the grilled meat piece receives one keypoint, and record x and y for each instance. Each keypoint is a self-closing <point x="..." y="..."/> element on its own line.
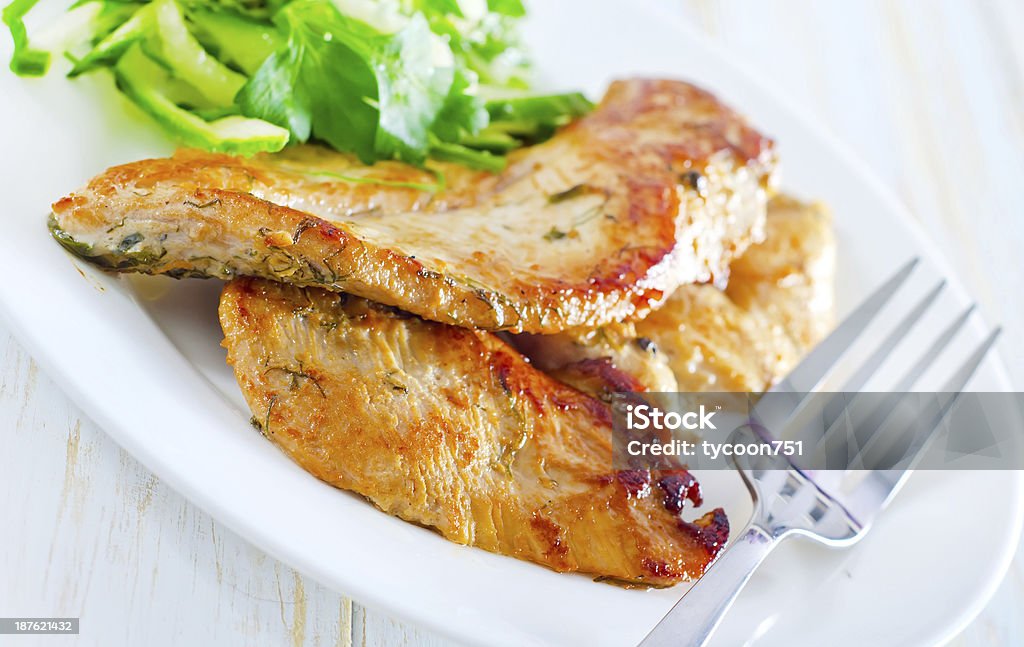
<point x="661" y="185"/>
<point x="778" y="304"/>
<point x="453" y="429"/>
<point x="788" y="281"/>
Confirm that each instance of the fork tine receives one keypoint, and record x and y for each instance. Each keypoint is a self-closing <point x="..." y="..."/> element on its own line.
<point x="861" y="427"/>
<point x="815" y="367"/>
<point x="950" y="393"/>
<point x="915" y="373"/>
<point x="806" y="377"/>
<point x="864" y="373"/>
<point x="879" y="486"/>
<point x="960" y="379"/>
<point x="837" y="403"/>
<point x="882" y="441"/>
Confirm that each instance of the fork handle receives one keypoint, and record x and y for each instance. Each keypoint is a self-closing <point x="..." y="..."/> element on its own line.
<point x="695" y="617"/>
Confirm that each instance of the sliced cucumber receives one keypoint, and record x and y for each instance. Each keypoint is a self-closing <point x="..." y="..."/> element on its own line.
<point x="478" y="159"/>
<point x="107" y="51"/>
<point x="553" y="109"/>
<point x="181" y="52"/>
<point x="143" y="80"/>
<point x="26" y="60"/>
<point x="493" y="140"/>
<point x="240" y="41"/>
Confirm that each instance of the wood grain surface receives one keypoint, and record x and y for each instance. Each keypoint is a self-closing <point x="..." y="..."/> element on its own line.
<point x="930" y="93"/>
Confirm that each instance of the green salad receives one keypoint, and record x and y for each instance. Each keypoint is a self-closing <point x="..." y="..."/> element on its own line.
<point x="383" y="79"/>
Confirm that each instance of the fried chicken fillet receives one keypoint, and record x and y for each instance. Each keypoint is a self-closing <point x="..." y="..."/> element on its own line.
<point x="453" y="429"/>
<point x="778" y="305"/>
<point x="661" y="185"/>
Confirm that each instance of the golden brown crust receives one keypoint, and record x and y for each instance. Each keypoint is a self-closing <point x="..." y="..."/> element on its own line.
<point x="789" y="280"/>
<point x="452" y="429"/>
<point x="777" y="306"/>
<point x="661" y="185"/>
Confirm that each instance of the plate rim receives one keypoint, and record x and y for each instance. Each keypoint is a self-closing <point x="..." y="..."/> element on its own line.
<point x="19" y="323"/>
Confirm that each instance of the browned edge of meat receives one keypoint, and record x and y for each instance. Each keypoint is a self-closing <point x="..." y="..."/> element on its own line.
<point x="779" y="303"/>
<point x="452" y="429"/>
<point x="660" y="186"/>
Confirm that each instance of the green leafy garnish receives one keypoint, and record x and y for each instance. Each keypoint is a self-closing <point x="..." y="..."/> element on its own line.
<point x="25" y="61"/>
<point x="555" y="234"/>
<point x="383" y="79"/>
<point x="512" y="8"/>
<point x="572" y="192"/>
<point x="316" y="84"/>
<point x="360" y="179"/>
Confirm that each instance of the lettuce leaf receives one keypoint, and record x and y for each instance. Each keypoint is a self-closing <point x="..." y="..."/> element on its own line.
<point x="316" y="84"/>
<point x="412" y="89"/>
<point x="362" y="91"/>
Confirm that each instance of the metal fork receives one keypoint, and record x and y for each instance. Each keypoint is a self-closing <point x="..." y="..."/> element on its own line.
<point x="836" y="507"/>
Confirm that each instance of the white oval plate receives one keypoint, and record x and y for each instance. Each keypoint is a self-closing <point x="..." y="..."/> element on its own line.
<point x="143" y="359"/>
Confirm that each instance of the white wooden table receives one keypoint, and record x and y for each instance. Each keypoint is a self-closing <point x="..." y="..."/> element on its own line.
<point x="932" y="93"/>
